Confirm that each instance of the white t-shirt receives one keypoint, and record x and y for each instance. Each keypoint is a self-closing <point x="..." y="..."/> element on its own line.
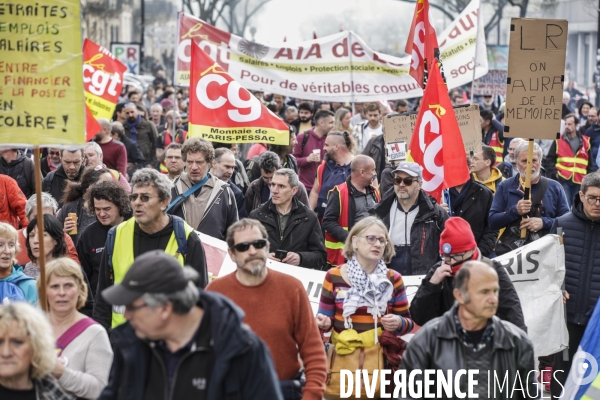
<point x="369" y="132"/>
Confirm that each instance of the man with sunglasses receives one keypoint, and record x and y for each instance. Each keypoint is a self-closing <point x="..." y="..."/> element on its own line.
<point x="277" y="308"/>
<point x="71" y="169"/>
<point x="457" y="246"/>
<point x="151" y="228"/>
<point x="414" y="220"/>
<point x="581" y="235"/>
<point x="51" y="162"/>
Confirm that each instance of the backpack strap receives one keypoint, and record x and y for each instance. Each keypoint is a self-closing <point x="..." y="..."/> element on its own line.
<point x="110" y="246"/>
<point x="536" y="201"/>
<point x="28" y="170"/>
<point x="304" y="140"/>
<point x="73" y="332"/>
<point x="179" y="230"/>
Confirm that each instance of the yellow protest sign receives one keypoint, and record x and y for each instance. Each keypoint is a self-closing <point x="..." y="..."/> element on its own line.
<point x="41" y="83"/>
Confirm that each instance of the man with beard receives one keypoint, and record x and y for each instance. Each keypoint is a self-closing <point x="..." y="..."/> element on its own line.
<point x="151" y="228"/>
<point x="414" y="220"/>
<point x="222" y="167"/>
<point x="334" y="170"/>
<point x="141" y="131"/>
<point x="509" y="210"/>
<point x="286" y="159"/>
<point x="508" y="168"/>
<point x="51" y="162"/>
<point x="166" y="137"/>
<point x="568" y="159"/>
<point x="304" y="121"/>
<point x="70" y="170"/>
<point x="114" y="155"/>
<point x="288" y="328"/>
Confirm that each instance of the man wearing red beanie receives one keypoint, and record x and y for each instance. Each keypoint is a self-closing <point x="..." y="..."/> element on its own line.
<point x="457" y="246"/>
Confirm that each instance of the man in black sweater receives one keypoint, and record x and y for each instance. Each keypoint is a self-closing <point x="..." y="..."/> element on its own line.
<point x="151" y="228"/>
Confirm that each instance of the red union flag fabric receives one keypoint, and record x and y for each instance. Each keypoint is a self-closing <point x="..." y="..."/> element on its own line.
<point x="92" y="127"/>
<point x="221" y="110"/>
<point x="102" y="79"/>
<point x="436" y="143"/>
<point x="422" y="42"/>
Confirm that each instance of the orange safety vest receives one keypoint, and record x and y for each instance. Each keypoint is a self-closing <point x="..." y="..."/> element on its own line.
<point x="498" y="147"/>
<point x="178" y="139"/>
<point x="333" y="246"/>
<point x="569" y="166"/>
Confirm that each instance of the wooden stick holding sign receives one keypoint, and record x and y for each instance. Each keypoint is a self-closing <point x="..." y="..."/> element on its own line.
<point x="527" y="182"/>
<point x="41" y="261"/>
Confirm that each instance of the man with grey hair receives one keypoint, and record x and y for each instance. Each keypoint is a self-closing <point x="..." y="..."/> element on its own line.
<point x="259" y="190"/>
<point x="511" y="211"/>
<point x="94" y="157"/>
<point x="151" y="228"/>
<point x="114" y="153"/>
<point x="470" y="336"/>
<point x="223" y="167"/>
<point x="508" y="167"/>
<point x="183" y="341"/>
<point x="205" y="202"/>
<point x="70" y="170"/>
<point x="294" y="232"/>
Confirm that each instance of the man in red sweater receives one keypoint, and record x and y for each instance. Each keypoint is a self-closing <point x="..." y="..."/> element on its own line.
<point x="277" y="309"/>
<point x="114" y="154"/>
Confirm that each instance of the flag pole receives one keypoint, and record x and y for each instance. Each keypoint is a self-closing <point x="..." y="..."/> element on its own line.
<point x="527" y="182"/>
<point x="476" y="48"/>
<point x="41" y="261"/>
<point x="351" y="71"/>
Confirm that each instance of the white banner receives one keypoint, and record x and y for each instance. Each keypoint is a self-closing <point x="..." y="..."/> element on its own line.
<point x="339" y="67"/>
<point x="538" y="271"/>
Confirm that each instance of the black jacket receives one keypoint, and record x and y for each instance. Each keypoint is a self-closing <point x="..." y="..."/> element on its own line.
<point x="242" y="367"/>
<point x="45" y="167"/>
<point x="432" y="301"/>
<point x="302" y="233"/>
<point x="475" y="209"/>
<point x="195" y="258"/>
<point x="332" y="212"/>
<point x="21" y="170"/>
<point x="582" y="262"/>
<point x="375" y="148"/>
<point x="240" y="200"/>
<point x="56" y="181"/>
<point x="438" y="346"/>
<point x="254" y="198"/>
<point x="134" y="154"/>
<point x="424" y="233"/>
<point x="90" y="248"/>
<point x="146" y="139"/>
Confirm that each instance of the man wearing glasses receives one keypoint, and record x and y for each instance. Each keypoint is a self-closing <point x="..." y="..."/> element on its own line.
<point x="414" y="220"/>
<point x="457" y="246"/>
<point x="151" y="228"/>
<point x="277" y="309"/>
<point x="581" y="235"/>
<point x="70" y="170"/>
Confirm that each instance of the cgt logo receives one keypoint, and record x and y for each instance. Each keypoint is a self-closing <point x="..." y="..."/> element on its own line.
<point x="99" y="81"/>
<point x="214" y="75"/>
<point x="221" y="55"/>
<point x="430" y="123"/>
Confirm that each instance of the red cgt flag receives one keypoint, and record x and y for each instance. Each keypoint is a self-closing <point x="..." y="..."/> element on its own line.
<point x="92" y="127"/>
<point x="436" y="143"/>
<point x="422" y="42"/>
<point x="221" y="110"/>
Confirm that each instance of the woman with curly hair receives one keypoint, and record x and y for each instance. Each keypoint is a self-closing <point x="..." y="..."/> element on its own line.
<point x="28" y="355"/>
<point x="110" y="203"/>
<point x="54" y="243"/>
<point x="73" y="200"/>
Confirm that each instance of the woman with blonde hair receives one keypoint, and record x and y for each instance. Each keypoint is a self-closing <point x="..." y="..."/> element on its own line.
<point x="342" y="120"/>
<point x="363" y="298"/>
<point x="85" y="354"/>
<point x="14" y="284"/>
<point x="27" y="354"/>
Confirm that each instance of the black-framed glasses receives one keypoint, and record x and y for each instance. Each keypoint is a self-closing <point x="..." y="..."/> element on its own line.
<point x="54" y="153"/>
<point x="129" y="308"/>
<point x="592" y="200"/>
<point x="374" y="239"/>
<point x="244" y="246"/>
<point x="407" y="181"/>
<point x="143" y="197"/>
<point x="454" y="257"/>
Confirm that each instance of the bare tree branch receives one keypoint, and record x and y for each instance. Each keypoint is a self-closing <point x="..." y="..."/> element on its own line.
<point x="437" y="7"/>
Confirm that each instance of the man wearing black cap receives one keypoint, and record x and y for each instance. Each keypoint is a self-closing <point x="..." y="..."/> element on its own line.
<point x="181" y="340"/>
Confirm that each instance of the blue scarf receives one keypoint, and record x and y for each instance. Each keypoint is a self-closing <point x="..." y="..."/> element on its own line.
<point x="132" y="128"/>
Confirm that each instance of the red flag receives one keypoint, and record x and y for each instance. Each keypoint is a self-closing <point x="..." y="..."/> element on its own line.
<point x="92" y="127"/>
<point x="221" y="110"/>
<point x="422" y="42"/>
<point x="436" y="143"/>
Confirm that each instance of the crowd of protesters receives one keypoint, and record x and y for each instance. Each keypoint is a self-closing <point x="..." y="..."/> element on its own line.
<point x="120" y="217"/>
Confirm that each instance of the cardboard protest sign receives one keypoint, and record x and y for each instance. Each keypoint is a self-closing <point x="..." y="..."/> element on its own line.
<point x="102" y="79"/>
<point x="536" y="64"/>
<point x="537" y="271"/>
<point x="399" y="127"/>
<point x="493" y="83"/>
<point x="40" y="70"/>
<point x="396" y="151"/>
<point x="221" y="110"/>
<point x="470" y="127"/>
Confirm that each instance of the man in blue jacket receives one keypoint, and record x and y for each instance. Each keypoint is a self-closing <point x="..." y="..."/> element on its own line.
<point x="182" y="343"/>
<point x="581" y="232"/>
<point x="509" y="210"/>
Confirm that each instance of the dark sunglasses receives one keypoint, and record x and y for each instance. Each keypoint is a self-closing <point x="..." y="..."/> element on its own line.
<point x="143" y="197"/>
<point x="54" y="153"/>
<point x="244" y="246"/>
<point x="407" y="181"/>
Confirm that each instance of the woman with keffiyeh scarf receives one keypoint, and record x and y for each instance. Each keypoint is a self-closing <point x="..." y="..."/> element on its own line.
<point x="363" y="298"/>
